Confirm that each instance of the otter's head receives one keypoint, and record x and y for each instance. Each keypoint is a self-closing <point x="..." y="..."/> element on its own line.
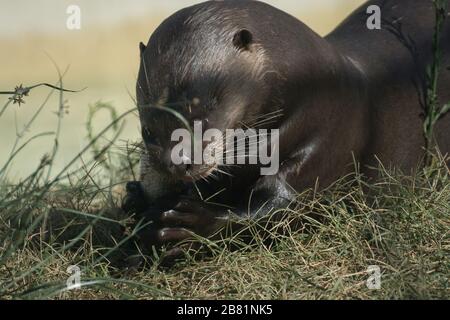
<point x="201" y="69"/>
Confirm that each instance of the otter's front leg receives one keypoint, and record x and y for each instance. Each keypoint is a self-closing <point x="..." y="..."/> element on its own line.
<point x="191" y="218"/>
<point x="168" y="228"/>
<point x="147" y="222"/>
<point x="175" y="228"/>
<point x="194" y="217"/>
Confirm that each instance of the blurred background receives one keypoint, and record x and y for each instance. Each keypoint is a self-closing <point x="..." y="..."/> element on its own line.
<point x="102" y="56"/>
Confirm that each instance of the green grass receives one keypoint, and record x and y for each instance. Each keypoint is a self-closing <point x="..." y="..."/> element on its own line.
<point x="400" y="223"/>
<point x="433" y="111"/>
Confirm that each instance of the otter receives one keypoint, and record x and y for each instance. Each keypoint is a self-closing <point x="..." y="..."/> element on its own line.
<point x="354" y="95"/>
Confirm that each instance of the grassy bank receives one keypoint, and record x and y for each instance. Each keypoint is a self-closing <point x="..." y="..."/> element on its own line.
<point x="400" y="224"/>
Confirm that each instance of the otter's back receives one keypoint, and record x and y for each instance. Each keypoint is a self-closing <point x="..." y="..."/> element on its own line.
<point x="394" y="61"/>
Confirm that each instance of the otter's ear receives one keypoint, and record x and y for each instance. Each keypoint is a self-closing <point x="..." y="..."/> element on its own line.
<point x="142" y="48"/>
<point x="243" y="39"/>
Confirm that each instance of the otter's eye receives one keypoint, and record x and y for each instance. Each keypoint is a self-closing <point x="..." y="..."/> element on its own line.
<point x="149" y="139"/>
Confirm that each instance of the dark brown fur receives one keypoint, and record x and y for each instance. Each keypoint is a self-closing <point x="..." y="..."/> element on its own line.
<point x="354" y="94"/>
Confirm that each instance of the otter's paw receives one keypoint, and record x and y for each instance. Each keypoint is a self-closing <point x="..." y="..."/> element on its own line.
<point x="134" y="201"/>
<point x="187" y="219"/>
<point x="191" y="216"/>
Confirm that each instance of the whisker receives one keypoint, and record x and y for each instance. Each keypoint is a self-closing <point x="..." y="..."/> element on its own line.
<point x="224" y="172"/>
<point x="196" y="187"/>
<point x="215" y="194"/>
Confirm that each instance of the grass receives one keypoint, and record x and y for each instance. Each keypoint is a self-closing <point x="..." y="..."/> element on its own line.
<point x="50" y="221"/>
<point x="400" y="223"/>
<point x="433" y="110"/>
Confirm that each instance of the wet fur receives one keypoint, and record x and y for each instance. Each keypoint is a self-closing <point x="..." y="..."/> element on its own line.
<point x="352" y="95"/>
